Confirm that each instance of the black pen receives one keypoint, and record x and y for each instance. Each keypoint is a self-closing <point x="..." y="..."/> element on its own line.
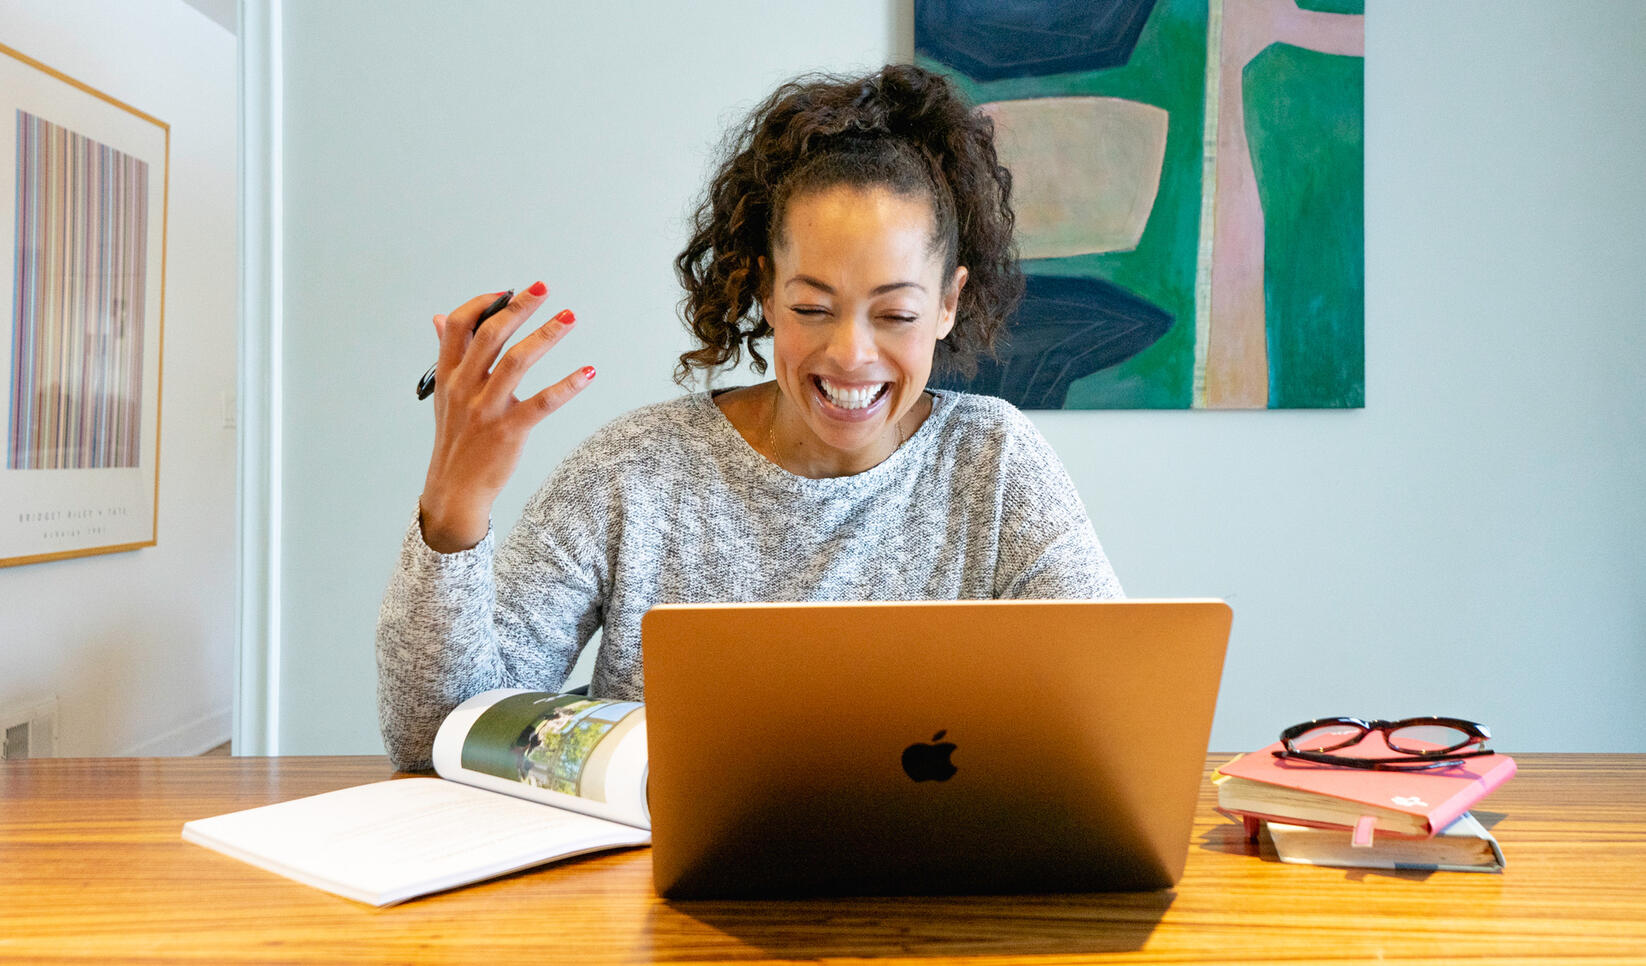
<point x="425" y="385"/>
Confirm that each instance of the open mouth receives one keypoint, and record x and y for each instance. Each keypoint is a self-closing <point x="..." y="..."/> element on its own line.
<point x="856" y="398"/>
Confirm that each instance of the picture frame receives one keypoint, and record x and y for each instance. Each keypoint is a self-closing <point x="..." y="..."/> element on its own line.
<point x="1188" y="178"/>
<point x="84" y="190"/>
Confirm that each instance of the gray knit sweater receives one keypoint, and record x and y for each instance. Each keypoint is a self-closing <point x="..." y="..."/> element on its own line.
<point x="670" y="504"/>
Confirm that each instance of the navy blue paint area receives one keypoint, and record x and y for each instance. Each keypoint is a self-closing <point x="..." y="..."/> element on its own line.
<point x="994" y="39"/>
<point x="1066" y="329"/>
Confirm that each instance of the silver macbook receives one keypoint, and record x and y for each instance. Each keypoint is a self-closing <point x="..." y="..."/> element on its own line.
<point x="927" y="747"/>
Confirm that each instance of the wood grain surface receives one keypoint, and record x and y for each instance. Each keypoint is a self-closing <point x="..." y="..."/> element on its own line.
<point x="92" y="869"/>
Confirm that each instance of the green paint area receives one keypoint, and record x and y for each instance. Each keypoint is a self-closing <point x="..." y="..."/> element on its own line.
<point x="1167" y="70"/>
<point x="1333" y="6"/>
<point x="1305" y="122"/>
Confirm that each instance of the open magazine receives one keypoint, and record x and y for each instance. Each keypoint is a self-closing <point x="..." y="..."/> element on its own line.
<point x="501" y="756"/>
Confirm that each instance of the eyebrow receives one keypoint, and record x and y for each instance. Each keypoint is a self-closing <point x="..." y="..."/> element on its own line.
<point x="878" y="290"/>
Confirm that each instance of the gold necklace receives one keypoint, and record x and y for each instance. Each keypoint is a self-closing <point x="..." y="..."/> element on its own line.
<point x="771" y="432"/>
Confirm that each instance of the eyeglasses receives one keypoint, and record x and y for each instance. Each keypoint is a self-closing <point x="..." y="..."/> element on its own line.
<point x="1420" y="743"/>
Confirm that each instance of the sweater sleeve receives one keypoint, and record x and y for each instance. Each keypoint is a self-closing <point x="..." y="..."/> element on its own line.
<point x="1048" y="549"/>
<point x="454" y="625"/>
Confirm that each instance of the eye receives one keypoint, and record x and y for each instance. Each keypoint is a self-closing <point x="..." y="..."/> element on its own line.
<point x="808" y="311"/>
<point x="901" y="318"/>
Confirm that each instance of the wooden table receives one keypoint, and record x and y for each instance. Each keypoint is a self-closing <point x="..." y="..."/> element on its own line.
<point x="91" y="867"/>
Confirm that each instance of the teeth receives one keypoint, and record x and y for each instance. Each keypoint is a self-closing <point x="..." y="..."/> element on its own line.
<point x="850" y="398"/>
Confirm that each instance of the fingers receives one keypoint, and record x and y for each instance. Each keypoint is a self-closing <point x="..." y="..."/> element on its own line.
<point x="506" y="375"/>
<point x="493" y="333"/>
<point x="455" y="331"/>
<point x="533" y="409"/>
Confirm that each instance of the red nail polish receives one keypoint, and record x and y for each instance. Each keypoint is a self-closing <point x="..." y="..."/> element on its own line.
<point x="588" y="372"/>
<point x="538" y="289"/>
<point x="565" y="317"/>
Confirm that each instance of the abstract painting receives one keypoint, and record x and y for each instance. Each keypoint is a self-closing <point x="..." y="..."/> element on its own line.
<point x="82" y="218"/>
<point x="1187" y="179"/>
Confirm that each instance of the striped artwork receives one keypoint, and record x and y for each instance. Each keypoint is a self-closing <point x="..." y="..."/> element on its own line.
<point x="78" y="303"/>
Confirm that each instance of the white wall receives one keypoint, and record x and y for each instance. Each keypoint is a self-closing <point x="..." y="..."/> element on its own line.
<point x="1470" y="543"/>
<point x="138" y="647"/>
<point x="1464" y="545"/>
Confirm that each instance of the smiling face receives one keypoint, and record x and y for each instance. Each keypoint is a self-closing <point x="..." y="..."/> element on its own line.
<point x="857" y="302"/>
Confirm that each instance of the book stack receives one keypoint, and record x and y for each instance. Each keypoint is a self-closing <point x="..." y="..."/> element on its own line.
<point x="1366" y="818"/>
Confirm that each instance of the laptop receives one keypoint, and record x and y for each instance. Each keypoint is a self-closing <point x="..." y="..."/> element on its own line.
<point x="923" y="748"/>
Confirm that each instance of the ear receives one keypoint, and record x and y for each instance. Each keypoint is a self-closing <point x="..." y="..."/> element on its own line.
<point x="951" y="302"/>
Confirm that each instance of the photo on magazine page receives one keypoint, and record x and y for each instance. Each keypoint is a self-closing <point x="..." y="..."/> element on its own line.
<point x="561" y="742"/>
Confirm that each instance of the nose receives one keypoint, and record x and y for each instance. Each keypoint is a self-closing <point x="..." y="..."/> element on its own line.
<point x="851" y="344"/>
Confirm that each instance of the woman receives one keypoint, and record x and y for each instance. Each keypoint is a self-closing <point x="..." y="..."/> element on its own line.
<point x="869" y="222"/>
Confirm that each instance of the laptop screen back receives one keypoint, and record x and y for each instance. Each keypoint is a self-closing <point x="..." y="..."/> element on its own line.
<point x="927" y="747"/>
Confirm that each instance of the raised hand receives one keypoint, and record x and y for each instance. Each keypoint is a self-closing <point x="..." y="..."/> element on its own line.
<point x="480" y="427"/>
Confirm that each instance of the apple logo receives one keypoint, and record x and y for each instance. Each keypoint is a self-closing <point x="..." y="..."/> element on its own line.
<point x="925" y="762"/>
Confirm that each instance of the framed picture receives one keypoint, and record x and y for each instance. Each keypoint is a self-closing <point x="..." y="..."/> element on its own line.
<point x="1188" y="177"/>
<point x="83" y="190"/>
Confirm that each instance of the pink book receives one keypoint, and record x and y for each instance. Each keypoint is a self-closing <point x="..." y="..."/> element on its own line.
<point x="1258" y="785"/>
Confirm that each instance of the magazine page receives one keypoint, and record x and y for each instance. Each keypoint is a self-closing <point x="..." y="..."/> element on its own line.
<point x="583" y="754"/>
<point x="389" y="841"/>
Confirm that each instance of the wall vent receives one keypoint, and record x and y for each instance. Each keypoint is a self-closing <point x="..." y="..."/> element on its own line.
<point x="29" y="732"/>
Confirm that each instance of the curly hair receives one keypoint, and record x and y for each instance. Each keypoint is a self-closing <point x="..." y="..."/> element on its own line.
<point x="902" y="128"/>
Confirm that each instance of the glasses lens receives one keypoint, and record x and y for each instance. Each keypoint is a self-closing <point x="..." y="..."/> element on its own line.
<point x="1327" y="737"/>
<point x="1429" y="739"/>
